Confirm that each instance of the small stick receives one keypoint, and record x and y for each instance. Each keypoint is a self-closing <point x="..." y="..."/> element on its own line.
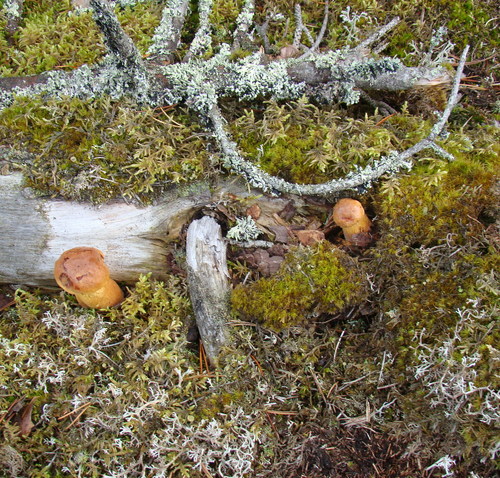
<point x="337" y="346"/>
<point x="281" y="412"/>
<point x="320" y="36"/>
<point x="257" y="363"/>
<point x="78" y="416"/>
<point x="62" y="417"/>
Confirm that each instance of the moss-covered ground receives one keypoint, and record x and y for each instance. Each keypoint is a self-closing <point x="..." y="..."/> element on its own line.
<point x="348" y="362"/>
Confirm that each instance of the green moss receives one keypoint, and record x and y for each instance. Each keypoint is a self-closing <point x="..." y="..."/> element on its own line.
<point x="307" y="144"/>
<point x="223" y="18"/>
<point x="54" y="36"/>
<point x="435" y="264"/>
<point x="217" y="403"/>
<point x="98" y="150"/>
<point x="312" y="281"/>
<point x="65" y="356"/>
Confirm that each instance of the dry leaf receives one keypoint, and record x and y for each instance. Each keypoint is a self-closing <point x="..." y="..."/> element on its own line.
<point x="280" y="234"/>
<point x="20" y="414"/>
<point x="308" y="237"/>
<point x="289" y="51"/>
<point x="254" y="211"/>
<point x="6" y="302"/>
<point x="25" y="423"/>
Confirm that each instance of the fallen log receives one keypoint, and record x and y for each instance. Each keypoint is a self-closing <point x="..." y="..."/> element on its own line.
<point x="208" y="283"/>
<point x="135" y="240"/>
<point x="34" y="232"/>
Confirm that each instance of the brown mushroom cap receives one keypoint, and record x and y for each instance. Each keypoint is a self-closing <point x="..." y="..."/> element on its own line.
<point x="348" y="212"/>
<point x="81" y="270"/>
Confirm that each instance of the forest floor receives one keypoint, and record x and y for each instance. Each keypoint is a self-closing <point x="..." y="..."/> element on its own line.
<point x="369" y="360"/>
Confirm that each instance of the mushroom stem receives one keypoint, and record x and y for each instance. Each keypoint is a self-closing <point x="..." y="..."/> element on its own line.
<point x="363" y="225"/>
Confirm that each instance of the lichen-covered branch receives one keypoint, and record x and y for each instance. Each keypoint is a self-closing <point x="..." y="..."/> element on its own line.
<point x="167" y="36"/>
<point x="300" y="27"/>
<point x="202" y="40"/>
<point x="13" y="10"/>
<point x="243" y="23"/>
<point x="360" y="178"/>
<point x="116" y="40"/>
<point x="378" y="34"/>
<point x="200" y="83"/>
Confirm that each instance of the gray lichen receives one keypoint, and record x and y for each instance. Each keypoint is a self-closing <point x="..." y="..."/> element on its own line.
<point x="245" y="230"/>
<point x="11" y="9"/>
<point x="167" y="35"/>
<point x="202" y="40"/>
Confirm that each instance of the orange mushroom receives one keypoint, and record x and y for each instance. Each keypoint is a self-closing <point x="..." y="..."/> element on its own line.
<point x="350" y="216"/>
<point x="81" y="271"/>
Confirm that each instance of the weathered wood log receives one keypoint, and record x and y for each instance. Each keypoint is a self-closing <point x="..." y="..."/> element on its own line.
<point x="208" y="283"/>
<point x="34" y="232"/>
<point x="135" y="240"/>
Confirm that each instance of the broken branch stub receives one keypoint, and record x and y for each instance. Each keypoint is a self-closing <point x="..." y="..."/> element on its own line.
<point x="208" y="283"/>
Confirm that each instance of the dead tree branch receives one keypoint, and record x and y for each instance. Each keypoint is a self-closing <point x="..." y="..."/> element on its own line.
<point x="208" y="283"/>
<point x="202" y="39"/>
<point x="167" y="37"/>
<point x="387" y="164"/>
<point x="201" y="83"/>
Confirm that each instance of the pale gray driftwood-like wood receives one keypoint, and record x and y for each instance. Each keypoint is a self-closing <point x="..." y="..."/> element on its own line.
<point x="34" y="232"/>
<point x="135" y="240"/>
<point x="208" y="283"/>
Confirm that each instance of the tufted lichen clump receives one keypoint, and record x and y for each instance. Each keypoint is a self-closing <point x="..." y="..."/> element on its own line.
<point x="101" y="149"/>
<point x="312" y="281"/>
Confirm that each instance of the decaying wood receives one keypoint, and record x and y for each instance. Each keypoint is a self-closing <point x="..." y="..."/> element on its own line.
<point x="208" y="283"/>
<point x="135" y="240"/>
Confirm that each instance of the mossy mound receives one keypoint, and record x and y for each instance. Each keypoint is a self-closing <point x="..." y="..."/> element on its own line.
<point x="102" y="149"/>
<point x="312" y="281"/>
<point x="304" y="143"/>
<point x="53" y="35"/>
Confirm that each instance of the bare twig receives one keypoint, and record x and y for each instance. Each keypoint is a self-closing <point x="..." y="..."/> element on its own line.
<point x="321" y="34"/>
<point x="262" y="30"/>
